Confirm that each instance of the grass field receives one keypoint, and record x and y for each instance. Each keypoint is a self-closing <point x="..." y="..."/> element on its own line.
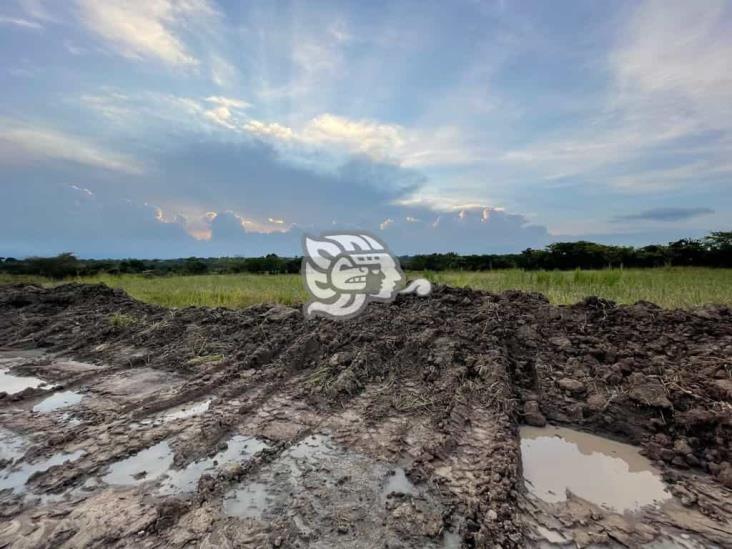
<point x="667" y="287"/>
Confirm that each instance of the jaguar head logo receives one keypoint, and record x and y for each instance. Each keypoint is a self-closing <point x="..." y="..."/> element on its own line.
<point x="344" y="272"/>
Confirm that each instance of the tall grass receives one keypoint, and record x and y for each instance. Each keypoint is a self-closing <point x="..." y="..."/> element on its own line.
<point x="667" y="287"/>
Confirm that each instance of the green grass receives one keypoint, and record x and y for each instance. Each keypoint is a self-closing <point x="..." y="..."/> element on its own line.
<point x="667" y="287"/>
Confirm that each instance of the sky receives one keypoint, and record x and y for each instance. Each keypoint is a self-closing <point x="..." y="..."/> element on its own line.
<point x="164" y="128"/>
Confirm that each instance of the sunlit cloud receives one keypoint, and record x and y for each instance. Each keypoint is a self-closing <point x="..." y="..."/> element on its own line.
<point x="19" y="143"/>
<point x="145" y="29"/>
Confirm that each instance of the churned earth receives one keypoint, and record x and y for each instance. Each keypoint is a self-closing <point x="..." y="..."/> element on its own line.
<point x="131" y="425"/>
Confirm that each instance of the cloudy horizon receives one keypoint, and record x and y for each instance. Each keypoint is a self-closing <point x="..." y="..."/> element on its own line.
<point x="162" y="128"/>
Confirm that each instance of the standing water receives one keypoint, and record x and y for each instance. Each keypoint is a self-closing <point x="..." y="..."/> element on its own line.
<point x="610" y="474"/>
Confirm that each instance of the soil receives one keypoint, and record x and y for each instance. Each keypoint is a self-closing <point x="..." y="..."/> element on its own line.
<point x="398" y="428"/>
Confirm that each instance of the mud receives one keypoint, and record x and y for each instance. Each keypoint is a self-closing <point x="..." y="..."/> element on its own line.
<point x="399" y="428"/>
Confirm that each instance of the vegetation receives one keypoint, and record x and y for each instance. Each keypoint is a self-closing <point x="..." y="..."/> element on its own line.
<point x="667" y="286"/>
<point x="715" y="250"/>
<point x="673" y="275"/>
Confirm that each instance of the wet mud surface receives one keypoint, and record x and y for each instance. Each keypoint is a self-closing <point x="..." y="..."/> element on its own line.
<point x="130" y="425"/>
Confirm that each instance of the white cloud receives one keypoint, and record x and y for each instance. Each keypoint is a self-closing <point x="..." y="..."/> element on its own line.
<point x="146" y="29"/>
<point x="223" y="73"/>
<point x="19" y="141"/>
<point x="678" y="54"/>
<point x="228" y="102"/>
<point x="381" y="141"/>
<point x="670" y="84"/>
<point x="441" y="203"/>
<point x="357" y="135"/>
<point x="274" y="130"/>
<point x="225" y="112"/>
<point x="19" y="22"/>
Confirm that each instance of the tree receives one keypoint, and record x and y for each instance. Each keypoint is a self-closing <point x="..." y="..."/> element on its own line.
<point x="61" y="266"/>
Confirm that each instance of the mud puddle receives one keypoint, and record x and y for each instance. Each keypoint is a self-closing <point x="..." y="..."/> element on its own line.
<point x="184" y="411"/>
<point x="320" y="490"/>
<point x="15" y="478"/>
<point x="589" y="490"/>
<point x="12" y="446"/>
<point x="239" y="450"/>
<point x="11" y="384"/>
<point x="609" y="474"/>
<point x="56" y="401"/>
<point x="156" y="462"/>
<point x="148" y="464"/>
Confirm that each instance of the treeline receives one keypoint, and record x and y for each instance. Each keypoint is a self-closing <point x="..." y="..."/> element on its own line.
<point x="714" y="250"/>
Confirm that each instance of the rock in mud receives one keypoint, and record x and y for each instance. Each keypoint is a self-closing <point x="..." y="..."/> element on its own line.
<point x="533" y="415"/>
<point x="572" y="386"/>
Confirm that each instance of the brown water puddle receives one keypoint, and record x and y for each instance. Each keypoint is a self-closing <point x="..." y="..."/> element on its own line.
<point x="609" y="474"/>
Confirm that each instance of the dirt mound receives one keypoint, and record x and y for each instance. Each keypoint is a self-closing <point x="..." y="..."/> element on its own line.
<point x="437" y="384"/>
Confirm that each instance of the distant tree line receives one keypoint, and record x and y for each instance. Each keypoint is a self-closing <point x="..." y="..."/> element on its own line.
<point x="714" y="250"/>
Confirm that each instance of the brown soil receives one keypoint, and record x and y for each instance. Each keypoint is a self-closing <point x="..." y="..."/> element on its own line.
<point x="437" y="386"/>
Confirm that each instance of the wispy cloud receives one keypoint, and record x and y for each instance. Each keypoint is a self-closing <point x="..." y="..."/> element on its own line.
<point x="20" y="22"/>
<point x="146" y="29"/>
<point x="669" y="86"/>
<point x="18" y="141"/>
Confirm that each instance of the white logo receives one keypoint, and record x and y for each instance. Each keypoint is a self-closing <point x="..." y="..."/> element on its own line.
<point x="344" y="272"/>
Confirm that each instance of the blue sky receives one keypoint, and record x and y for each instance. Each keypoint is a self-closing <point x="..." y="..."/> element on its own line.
<point x="163" y="128"/>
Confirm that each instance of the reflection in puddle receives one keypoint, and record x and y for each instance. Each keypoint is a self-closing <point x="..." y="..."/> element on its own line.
<point x="186" y="410"/>
<point x="337" y="497"/>
<point x="399" y="483"/>
<point x="156" y="462"/>
<point x="70" y="420"/>
<point x="145" y="465"/>
<point x="16" y="478"/>
<point x="451" y="540"/>
<point x="249" y="501"/>
<point x="316" y="461"/>
<point x="12" y="446"/>
<point x="58" y="400"/>
<point x="239" y="449"/>
<point x="253" y="499"/>
<point x="607" y="473"/>
<point x="12" y="384"/>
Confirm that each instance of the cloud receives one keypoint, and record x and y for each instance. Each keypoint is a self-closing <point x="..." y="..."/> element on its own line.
<point x="20" y="22"/>
<point x="223" y="198"/>
<point x="667" y="90"/>
<point x="146" y="29"/>
<point x="273" y="130"/>
<point x="225" y="111"/>
<point x="474" y="230"/>
<point x="36" y="9"/>
<point x="19" y="143"/>
<point x="380" y="141"/>
<point x="223" y="73"/>
<point x="678" y="54"/>
<point x="356" y="135"/>
<point x="49" y="218"/>
<point x="665" y="214"/>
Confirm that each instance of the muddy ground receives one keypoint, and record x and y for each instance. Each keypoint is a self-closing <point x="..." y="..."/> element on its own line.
<point x="399" y="428"/>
